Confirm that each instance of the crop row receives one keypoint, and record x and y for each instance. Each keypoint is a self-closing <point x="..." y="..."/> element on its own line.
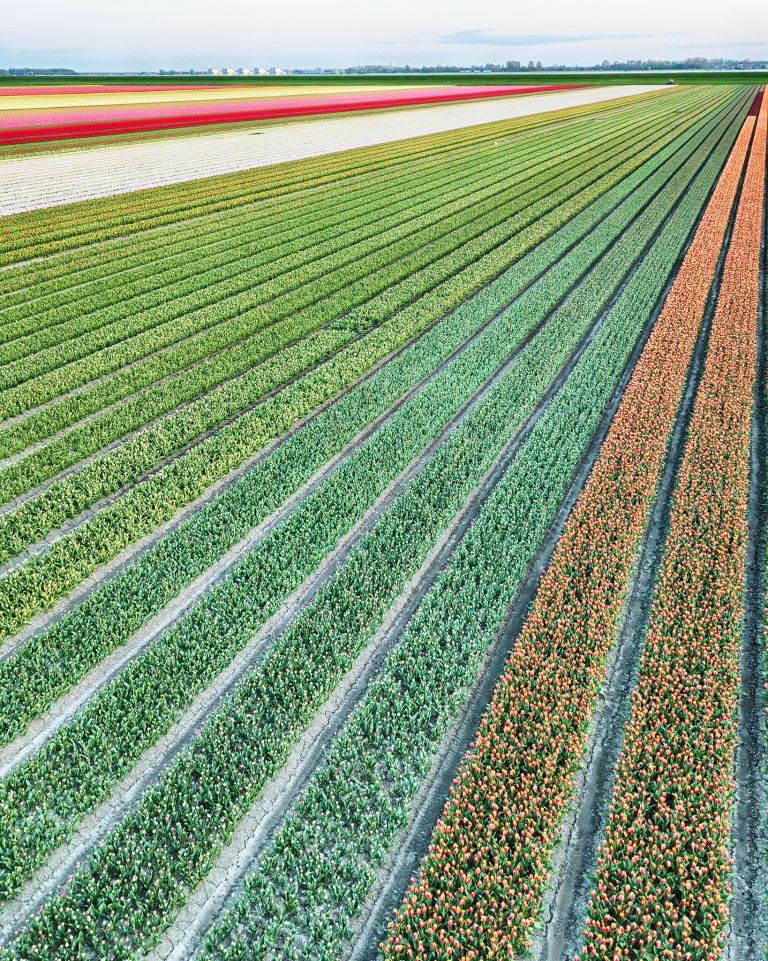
<point x="96" y="262"/>
<point x="117" y="725"/>
<point x="327" y="636"/>
<point x="106" y="317"/>
<point x="264" y="295"/>
<point x="103" y="121"/>
<point x="532" y="308"/>
<point x="489" y="859"/>
<point x="38" y="234"/>
<point x="269" y="302"/>
<point x="186" y="425"/>
<point x="661" y="882"/>
<point x="78" y="653"/>
<point x="194" y="350"/>
<point x="92" y="264"/>
<point x="51" y="232"/>
<point x="267" y="295"/>
<point x="79" y="311"/>
<point x="398" y="247"/>
<point x="351" y="814"/>
<point x="163" y="493"/>
<point x="232" y="235"/>
<point x="318" y="209"/>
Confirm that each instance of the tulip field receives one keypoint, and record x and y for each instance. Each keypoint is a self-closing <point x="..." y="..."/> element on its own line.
<point x="39" y="116"/>
<point x="382" y="534"/>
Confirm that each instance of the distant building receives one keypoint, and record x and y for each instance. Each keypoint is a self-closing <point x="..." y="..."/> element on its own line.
<point x="279" y="72"/>
<point x="230" y="72"/>
<point x="215" y="72"/>
<point x="262" y="71"/>
<point x="245" y="71"/>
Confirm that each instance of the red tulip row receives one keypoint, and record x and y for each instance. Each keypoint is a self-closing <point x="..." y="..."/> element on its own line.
<point x="662" y="872"/>
<point x="480" y="888"/>
<point x="36" y="127"/>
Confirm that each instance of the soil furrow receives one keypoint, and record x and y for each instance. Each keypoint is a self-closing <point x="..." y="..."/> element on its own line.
<point x="747" y="938"/>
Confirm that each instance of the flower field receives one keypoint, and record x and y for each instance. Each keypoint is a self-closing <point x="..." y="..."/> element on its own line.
<point x="376" y="534"/>
<point x="60" y="116"/>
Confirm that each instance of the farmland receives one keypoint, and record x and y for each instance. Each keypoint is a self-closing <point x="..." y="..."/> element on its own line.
<point x="61" y="116"/>
<point x="382" y="562"/>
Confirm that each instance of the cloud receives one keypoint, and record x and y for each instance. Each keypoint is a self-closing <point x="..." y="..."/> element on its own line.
<point x="476" y="37"/>
<point x="397" y="43"/>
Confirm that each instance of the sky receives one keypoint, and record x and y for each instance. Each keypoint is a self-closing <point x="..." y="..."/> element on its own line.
<point x="179" y="34"/>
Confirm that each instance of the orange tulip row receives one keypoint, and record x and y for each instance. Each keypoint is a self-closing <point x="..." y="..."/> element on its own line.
<point x="662" y="871"/>
<point x="479" y="891"/>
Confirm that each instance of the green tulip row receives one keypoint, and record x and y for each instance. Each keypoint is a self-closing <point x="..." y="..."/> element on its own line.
<point x="534" y="305"/>
<point x="241" y="287"/>
<point x="52" y="231"/>
<point x="70" y="331"/>
<point x="194" y="350"/>
<point x="395" y="251"/>
<point x="76" y="644"/>
<point x="118" y="724"/>
<point x="182" y="427"/>
<point x="46" y="577"/>
<point x="114" y="905"/>
<point x="62" y="313"/>
<point x="545" y="293"/>
<point x="62" y="276"/>
<point x="149" y="694"/>
<point x="170" y="246"/>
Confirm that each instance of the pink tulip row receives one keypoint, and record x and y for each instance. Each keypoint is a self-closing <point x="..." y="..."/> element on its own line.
<point x="662" y="886"/>
<point x="479" y="891"/>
